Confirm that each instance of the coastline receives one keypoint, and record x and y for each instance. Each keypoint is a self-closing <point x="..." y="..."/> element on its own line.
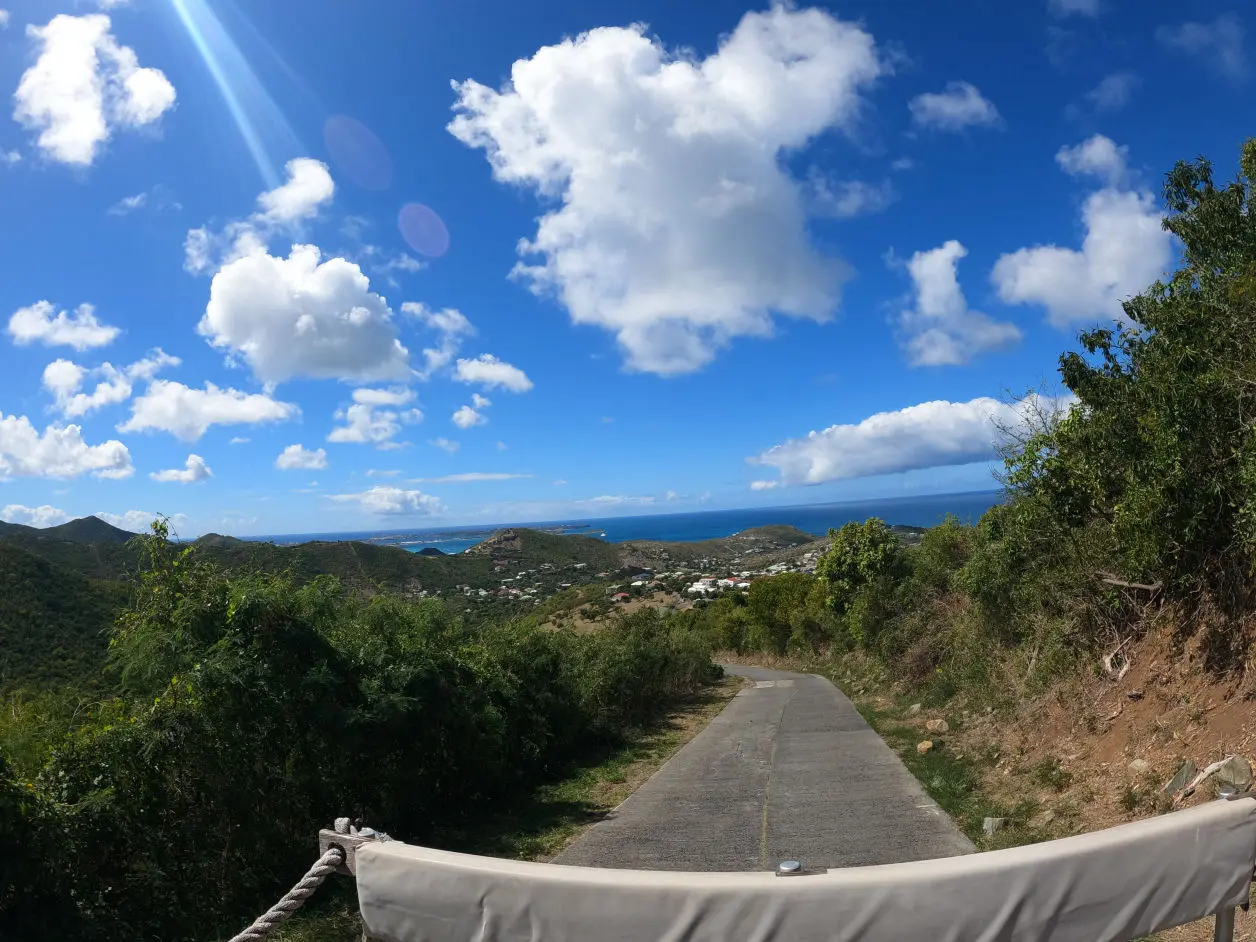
<point x="924" y="510"/>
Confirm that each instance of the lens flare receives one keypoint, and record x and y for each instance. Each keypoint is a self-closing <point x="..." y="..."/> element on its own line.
<point x="423" y="230"/>
<point x="355" y="150"/>
<point x="261" y="124"/>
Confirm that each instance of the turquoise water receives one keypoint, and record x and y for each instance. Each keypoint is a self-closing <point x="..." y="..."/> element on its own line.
<point x="923" y="511"/>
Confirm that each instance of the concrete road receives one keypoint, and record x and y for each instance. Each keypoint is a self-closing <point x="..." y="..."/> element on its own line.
<point x="788" y="771"/>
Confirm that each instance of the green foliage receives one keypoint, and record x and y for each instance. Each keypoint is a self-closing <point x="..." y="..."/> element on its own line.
<point x="858" y="571"/>
<point x="1161" y="448"/>
<point x="254" y="709"/>
<point x="773" y="605"/>
<point x="52" y="622"/>
<point x="860" y="554"/>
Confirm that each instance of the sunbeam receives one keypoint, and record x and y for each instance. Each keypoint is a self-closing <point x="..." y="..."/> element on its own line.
<point x="261" y="123"/>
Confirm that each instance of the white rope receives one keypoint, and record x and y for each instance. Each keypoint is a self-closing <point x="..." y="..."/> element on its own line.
<point x="294" y="899"/>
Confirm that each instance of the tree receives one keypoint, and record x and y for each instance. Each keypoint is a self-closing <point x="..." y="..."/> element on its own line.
<point x="1161" y="446"/>
<point x="773" y="603"/>
<point x="863" y="555"/>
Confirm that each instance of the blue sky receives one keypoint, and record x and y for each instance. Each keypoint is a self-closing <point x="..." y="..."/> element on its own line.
<point x="388" y="264"/>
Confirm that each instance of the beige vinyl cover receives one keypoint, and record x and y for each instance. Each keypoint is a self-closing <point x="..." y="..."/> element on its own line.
<point x="1113" y="885"/>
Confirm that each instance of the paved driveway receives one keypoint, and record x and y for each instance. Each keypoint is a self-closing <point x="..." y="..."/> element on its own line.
<point x="788" y="770"/>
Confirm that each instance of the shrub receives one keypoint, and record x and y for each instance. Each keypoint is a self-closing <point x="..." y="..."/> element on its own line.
<point x="254" y="711"/>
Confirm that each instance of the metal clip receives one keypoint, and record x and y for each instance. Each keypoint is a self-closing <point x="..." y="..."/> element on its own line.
<point x="348" y="839"/>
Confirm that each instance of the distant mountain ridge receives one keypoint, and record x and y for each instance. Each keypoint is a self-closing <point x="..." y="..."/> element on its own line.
<point x="82" y="530"/>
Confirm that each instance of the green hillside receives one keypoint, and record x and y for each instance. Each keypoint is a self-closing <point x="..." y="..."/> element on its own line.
<point x="531" y="548"/>
<point x="65" y="584"/>
<point x="52" y="620"/>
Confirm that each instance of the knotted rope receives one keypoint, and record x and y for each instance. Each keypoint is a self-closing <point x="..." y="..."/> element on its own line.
<point x="294" y="899"/>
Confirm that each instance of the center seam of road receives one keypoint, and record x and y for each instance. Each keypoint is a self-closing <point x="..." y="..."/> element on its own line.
<point x="767" y="789"/>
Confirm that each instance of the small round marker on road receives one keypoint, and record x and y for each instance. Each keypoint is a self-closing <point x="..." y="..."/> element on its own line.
<point x="788" y="866"/>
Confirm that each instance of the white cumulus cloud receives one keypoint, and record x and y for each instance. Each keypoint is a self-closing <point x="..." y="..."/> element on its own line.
<point x="64" y="379"/>
<point x="4" y="24"/>
<point x="928" y="435"/>
<point x="374" y="417"/>
<point x="83" y="86"/>
<point x="296" y="457"/>
<point x="188" y="413"/>
<point x="445" y="445"/>
<point x="308" y="187"/>
<point x="193" y="471"/>
<point x="44" y="324"/>
<point x="393" y="396"/>
<point x="678" y="228"/>
<point x="959" y="106"/>
<point x="58" y="452"/>
<point x="300" y="316"/>
<point x="1125" y="249"/>
<point x="488" y="371"/>
<point x="466" y="417"/>
<point x="388" y="501"/>
<point x="940" y="329"/>
<point x="42" y="516"/>
<point x="1096" y="156"/>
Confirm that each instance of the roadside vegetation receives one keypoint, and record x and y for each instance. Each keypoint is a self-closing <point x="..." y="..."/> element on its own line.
<point x="245" y="711"/>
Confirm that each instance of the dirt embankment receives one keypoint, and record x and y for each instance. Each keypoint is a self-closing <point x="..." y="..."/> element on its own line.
<point x="1098" y="751"/>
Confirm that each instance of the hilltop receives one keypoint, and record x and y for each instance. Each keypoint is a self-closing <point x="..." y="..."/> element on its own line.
<point x="748" y="544"/>
<point x="523" y="546"/>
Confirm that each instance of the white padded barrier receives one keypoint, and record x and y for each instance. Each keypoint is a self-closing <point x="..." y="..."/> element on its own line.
<point x="1107" y="886"/>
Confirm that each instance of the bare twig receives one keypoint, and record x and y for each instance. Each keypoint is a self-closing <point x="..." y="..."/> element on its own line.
<point x="1109" y="579"/>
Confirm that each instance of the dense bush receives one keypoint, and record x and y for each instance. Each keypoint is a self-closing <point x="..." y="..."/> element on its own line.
<point x="252" y="711"/>
<point x="1161" y="447"/>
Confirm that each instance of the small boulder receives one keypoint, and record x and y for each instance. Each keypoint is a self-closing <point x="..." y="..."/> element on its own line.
<point x="992" y="826"/>
<point x="1235" y="773"/>
<point x="937" y="726"/>
<point x="1045" y="818"/>
<point x="923" y="747"/>
<point x="914" y="709"/>
<point x="1140" y="766"/>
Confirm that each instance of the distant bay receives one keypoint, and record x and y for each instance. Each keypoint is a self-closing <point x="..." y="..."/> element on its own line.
<point x="920" y="511"/>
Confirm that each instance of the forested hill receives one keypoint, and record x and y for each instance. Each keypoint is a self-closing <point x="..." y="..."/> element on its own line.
<point x="52" y="620"/>
<point x="67" y="582"/>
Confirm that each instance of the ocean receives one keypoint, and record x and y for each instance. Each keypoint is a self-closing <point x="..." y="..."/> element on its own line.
<point x="922" y="511"/>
